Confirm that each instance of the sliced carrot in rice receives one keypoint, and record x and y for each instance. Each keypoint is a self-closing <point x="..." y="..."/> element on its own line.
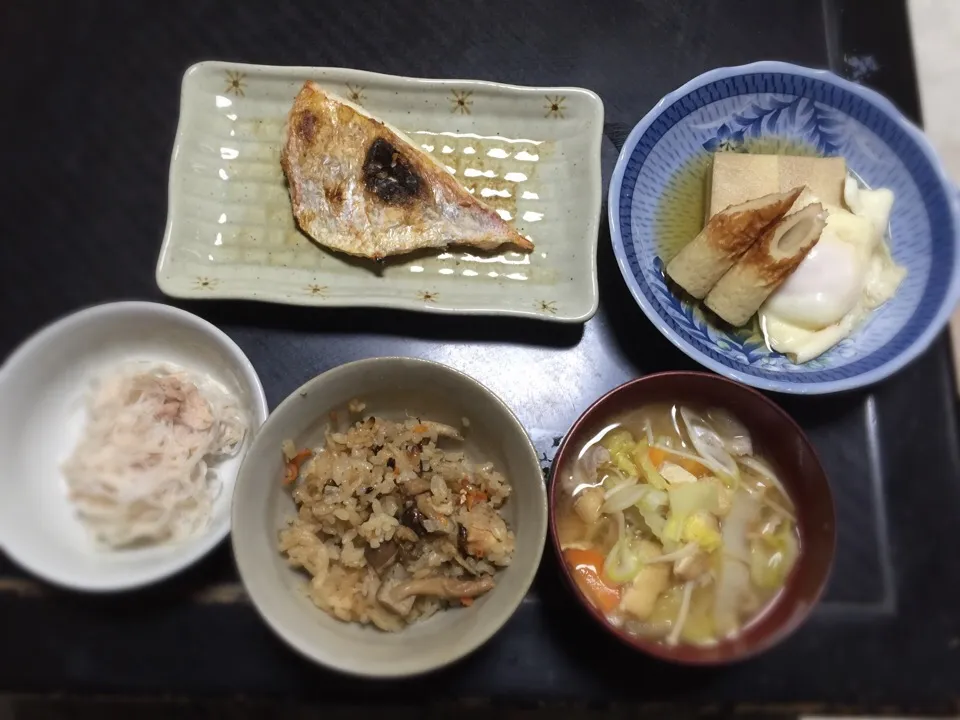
<point x="474" y="497"/>
<point x="291" y="470"/>
<point x="301" y="456"/>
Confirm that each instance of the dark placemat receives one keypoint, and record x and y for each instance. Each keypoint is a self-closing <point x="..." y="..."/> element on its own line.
<point x="92" y="94"/>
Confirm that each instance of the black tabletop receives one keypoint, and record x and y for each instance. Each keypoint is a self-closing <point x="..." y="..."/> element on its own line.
<point x="90" y="98"/>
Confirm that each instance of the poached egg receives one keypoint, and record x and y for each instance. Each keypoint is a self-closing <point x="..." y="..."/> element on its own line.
<point x="848" y="274"/>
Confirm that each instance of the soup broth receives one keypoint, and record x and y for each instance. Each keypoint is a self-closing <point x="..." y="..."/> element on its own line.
<point x="674" y="525"/>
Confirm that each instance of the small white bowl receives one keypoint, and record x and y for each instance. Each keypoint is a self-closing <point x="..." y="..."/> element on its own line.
<point x="43" y="385"/>
<point x="390" y="387"/>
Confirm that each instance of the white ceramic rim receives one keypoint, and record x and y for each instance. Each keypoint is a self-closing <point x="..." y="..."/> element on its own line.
<point x="884" y="105"/>
<point x="201" y="545"/>
<point x="293" y="640"/>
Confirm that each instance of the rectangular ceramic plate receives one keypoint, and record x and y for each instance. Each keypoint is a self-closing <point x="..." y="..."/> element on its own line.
<point x="532" y="153"/>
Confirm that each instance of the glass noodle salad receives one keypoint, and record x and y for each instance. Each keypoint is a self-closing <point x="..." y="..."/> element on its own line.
<point x="674" y="527"/>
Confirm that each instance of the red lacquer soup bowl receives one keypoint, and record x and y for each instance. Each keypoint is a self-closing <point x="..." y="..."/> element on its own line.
<point x="781" y="441"/>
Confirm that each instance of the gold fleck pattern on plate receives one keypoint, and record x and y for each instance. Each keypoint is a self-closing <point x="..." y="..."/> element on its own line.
<point x="428" y="296"/>
<point x="318" y="290"/>
<point x="205" y="283"/>
<point x="355" y="93"/>
<point x="547" y="306"/>
<point x="554" y="106"/>
<point x="236" y="83"/>
<point x="460" y="101"/>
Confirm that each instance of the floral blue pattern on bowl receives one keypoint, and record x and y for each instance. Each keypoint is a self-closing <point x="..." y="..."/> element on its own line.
<point x="726" y="108"/>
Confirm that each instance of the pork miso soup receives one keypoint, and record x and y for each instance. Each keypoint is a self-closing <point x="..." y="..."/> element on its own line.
<point x="675" y="527"/>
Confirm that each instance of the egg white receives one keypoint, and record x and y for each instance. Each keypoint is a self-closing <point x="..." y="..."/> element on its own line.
<point x="848" y="274"/>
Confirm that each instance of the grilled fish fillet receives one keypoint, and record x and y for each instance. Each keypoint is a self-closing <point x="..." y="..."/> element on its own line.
<point x="361" y="187"/>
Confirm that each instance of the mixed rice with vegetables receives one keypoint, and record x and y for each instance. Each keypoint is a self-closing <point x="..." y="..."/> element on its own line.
<point x="390" y="526"/>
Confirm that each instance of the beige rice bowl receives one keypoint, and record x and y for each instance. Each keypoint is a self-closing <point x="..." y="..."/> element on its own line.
<point x="393" y="522"/>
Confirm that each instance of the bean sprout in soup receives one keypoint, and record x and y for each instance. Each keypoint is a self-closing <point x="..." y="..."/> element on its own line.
<point x="675" y="527"/>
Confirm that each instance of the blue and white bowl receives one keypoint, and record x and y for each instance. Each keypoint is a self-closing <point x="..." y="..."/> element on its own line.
<point x="773" y="102"/>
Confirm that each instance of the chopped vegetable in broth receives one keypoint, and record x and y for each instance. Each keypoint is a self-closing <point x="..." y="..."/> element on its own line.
<point x="675" y="528"/>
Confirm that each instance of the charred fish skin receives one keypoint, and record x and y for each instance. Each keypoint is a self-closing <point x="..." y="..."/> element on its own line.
<point x="360" y="187"/>
<point x="388" y="175"/>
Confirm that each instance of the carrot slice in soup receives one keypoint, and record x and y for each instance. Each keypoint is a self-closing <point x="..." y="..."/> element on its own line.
<point x="587" y="568"/>
<point x="693" y="467"/>
<point x="657" y="456"/>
